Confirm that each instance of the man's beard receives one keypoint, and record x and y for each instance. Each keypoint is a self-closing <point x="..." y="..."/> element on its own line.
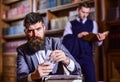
<point x="37" y="43"/>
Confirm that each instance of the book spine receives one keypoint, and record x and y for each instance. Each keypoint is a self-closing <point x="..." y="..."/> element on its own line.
<point x="12" y="45"/>
<point x="19" y="9"/>
<point x="114" y="38"/>
<point x="59" y="23"/>
<point x="13" y="30"/>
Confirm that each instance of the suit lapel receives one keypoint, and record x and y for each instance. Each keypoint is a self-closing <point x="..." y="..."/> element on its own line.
<point x="35" y="60"/>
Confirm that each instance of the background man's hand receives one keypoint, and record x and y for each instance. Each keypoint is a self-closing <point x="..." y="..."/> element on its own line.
<point x="82" y="34"/>
<point x="102" y="36"/>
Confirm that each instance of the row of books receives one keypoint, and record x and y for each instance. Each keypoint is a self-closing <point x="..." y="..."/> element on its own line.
<point x="59" y="23"/>
<point x="43" y="4"/>
<point x="17" y="10"/>
<point x="114" y="38"/>
<point x="114" y="13"/>
<point x="12" y="45"/>
<point x="13" y="30"/>
<point x="114" y="41"/>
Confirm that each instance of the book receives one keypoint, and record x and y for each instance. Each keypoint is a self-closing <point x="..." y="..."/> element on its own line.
<point x="90" y="37"/>
<point x="42" y="4"/>
<point x="58" y="23"/>
<point x="93" y="37"/>
<point x="17" y="10"/>
<point x="63" y="2"/>
<point x="62" y="78"/>
<point x="12" y="45"/>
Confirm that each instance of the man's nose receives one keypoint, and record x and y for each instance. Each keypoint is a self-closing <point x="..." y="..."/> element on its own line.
<point x="35" y="33"/>
<point x="86" y="14"/>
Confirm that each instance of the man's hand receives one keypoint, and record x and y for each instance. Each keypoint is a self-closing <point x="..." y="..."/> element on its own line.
<point x="41" y="71"/>
<point x="59" y="56"/>
<point x="102" y="36"/>
<point x="82" y="34"/>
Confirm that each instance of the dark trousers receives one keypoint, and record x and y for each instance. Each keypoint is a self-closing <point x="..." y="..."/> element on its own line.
<point x="88" y="69"/>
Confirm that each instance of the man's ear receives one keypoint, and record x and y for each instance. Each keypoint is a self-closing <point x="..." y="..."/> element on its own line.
<point x="25" y="31"/>
<point x="44" y="27"/>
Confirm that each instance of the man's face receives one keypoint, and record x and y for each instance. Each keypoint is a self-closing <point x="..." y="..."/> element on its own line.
<point x="83" y="12"/>
<point x="35" y="34"/>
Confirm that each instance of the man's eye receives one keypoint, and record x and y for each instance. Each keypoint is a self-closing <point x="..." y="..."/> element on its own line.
<point x="29" y="31"/>
<point x="38" y="29"/>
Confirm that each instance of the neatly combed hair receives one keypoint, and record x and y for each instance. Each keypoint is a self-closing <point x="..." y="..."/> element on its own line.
<point x="84" y="4"/>
<point x="32" y="18"/>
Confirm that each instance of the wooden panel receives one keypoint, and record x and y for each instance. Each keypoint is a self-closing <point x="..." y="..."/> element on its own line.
<point x="63" y="81"/>
<point x="9" y="79"/>
<point x="114" y="80"/>
<point x="9" y="70"/>
<point x="0" y="67"/>
<point x="63" y="78"/>
<point x="9" y="60"/>
<point x="114" y="67"/>
<point x="57" y="81"/>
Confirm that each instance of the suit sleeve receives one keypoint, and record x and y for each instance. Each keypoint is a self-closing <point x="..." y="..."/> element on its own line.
<point x="60" y="46"/>
<point x="22" y="67"/>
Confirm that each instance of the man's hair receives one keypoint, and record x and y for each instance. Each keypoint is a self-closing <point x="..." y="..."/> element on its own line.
<point x="84" y="4"/>
<point x="32" y="18"/>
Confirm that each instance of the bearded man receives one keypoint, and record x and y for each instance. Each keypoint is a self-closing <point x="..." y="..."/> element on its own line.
<point x="41" y="56"/>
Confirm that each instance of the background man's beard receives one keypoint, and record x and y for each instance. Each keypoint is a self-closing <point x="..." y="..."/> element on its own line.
<point x="37" y="43"/>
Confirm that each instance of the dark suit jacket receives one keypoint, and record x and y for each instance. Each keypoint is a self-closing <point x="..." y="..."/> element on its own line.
<point x="27" y="61"/>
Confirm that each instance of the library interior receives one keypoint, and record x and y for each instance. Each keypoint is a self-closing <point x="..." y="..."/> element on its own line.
<point x="55" y="14"/>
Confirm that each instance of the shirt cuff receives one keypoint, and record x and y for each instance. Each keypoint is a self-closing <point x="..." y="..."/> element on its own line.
<point x="29" y="78"/>
<point x="71" y="66"/>
<point x="99" y="43"/>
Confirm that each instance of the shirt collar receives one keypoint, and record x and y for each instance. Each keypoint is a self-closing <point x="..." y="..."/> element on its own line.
<point x="84" y="20"/>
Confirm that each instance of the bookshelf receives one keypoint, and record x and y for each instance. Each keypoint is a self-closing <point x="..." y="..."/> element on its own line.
<point x="10" y="20"/>
<point x="12" y="14"/>
<point x="7" y="2"/>
<point x="110" y="20"/>
<point x="0" y="49"/>
<point x="9" y="67"/>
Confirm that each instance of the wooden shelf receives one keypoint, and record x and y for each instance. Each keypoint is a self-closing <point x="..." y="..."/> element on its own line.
<point x="7" y="2"/>
<point x="48" y="32"/>
<point x="10" y="53"/>
<point x="17" y="36"/>
<point x="62" y="7"/>
<point x="114" y="51"/>
<point x="14" y="18"/>
<point x="114" y="22"/>
<point x="54" y="31"/>
<point x="58" y="8"/>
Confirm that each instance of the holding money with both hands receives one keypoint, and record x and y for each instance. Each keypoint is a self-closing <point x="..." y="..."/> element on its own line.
<point x="49" y="60"/>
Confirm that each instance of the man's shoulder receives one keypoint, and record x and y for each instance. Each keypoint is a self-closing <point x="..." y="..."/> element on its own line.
<point x="75" y="20"/>
<point x="53" y="40"/>
<point x="90" y="20"/>
<point x="22" y="46"/>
